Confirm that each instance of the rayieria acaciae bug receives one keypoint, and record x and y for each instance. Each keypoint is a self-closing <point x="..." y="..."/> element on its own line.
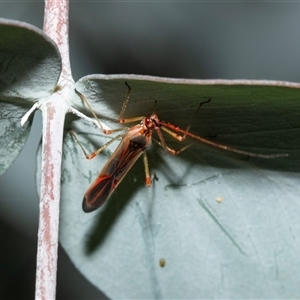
<point x="133" y="145"/>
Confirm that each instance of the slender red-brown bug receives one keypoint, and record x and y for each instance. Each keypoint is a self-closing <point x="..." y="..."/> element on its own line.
<point x="133" y="144"/>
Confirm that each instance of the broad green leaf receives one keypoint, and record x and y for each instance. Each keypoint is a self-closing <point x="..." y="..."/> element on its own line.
<point x="30" y="66"/>
<point x="225" y="224"/>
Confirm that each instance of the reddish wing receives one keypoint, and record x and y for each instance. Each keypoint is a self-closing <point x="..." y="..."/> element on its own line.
<point x="129" y="150"/>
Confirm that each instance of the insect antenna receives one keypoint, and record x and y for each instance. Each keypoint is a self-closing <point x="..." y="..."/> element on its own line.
<point x="193" y="118"/>
<point x="155" y="106"/>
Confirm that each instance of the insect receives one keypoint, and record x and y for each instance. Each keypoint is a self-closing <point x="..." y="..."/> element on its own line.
<point x="133" y="145"/>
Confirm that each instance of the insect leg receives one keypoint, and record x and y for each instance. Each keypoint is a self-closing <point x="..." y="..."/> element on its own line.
<point x="164" y="145"/>
<point x="105" y="131"/>
<point x="214" y="144"/>
<point x="83" y="98"/>
<point x="128" y="120"/>
<point x="169" y="127"/>
<point x="125" y="102"/>
<point x="95" y="153"/>
<point x="185" y="132"/>
<point x="147" y="172"/>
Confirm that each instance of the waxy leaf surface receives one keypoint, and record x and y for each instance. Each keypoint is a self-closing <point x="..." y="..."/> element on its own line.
<point x="226" y="225"/>
<point x="30" y="66"/>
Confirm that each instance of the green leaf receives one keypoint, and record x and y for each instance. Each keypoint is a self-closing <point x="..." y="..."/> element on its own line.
<point x="225" y="224"/>
<point x="30" y="66"/>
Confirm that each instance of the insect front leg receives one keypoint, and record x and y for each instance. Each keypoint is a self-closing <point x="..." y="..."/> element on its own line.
<point x="163" y="143"/>
<point x="95" y="153"/>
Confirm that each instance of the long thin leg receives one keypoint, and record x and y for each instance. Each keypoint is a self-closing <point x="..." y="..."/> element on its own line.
<point x="120" y="119"/>
<point x="167" y="127"/>
<point x="95" y="153"/>
<point x="147" y="172"/>
<point x="130" y="120"/>
<point x="185" y="132"/>
<point x="217" y="145"/>
<point x="105" y="131"/>
<point x="164" y="145"/>
<point x="125" y="102"/>
<point x="177" y="136"/>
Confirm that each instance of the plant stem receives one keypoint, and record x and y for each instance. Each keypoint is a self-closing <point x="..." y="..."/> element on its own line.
<point x="53" y="110"/>
<point x="56" y="26"/>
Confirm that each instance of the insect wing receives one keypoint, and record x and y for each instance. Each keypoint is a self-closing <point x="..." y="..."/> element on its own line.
<point x="113" y="172"/>
<point x="97" y="193"/>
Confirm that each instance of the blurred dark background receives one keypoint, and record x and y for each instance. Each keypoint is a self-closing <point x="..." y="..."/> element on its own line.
<point x="229" y="40"/>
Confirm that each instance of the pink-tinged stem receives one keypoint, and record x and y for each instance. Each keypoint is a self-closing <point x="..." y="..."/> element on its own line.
<point x="56" y="26"/>
<point x="53" y="110"/>
<point x="53" y="122"/>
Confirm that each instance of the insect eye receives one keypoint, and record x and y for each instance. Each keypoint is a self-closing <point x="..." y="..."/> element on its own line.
<point x="148" y="121"/>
